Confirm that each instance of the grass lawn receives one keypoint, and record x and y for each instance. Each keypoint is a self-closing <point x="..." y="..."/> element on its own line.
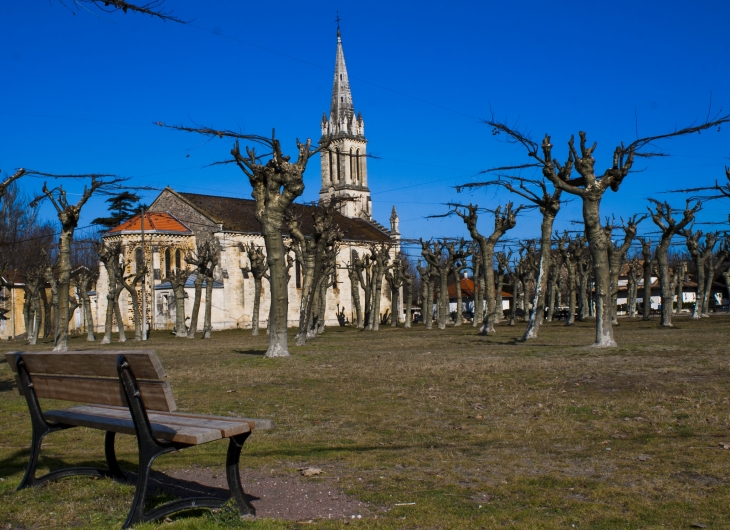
<point x="478" y="432"/>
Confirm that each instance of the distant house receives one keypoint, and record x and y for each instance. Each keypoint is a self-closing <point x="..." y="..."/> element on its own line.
<point x="467" y="296"/>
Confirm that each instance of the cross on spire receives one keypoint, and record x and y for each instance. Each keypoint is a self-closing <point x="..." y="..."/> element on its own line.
<point x="338" y="23"/>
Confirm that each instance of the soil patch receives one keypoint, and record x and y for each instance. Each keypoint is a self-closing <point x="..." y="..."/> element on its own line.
<point x="289" y="497"/>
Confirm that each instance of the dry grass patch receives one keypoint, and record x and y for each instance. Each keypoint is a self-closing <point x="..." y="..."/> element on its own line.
<point x="476" y="431"/>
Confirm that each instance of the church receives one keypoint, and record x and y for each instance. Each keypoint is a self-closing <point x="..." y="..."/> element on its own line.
<point x="176" y="221"/>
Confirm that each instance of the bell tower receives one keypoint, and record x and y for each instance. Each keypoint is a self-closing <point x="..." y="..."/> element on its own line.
<point x="343" y="160"/>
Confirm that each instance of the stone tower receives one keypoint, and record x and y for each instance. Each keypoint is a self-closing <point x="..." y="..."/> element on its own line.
<point x="344" y="165"/>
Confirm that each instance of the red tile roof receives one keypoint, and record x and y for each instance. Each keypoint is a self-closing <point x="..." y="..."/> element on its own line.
<point x="467" y="289"/>
<point x="153" y="222"/>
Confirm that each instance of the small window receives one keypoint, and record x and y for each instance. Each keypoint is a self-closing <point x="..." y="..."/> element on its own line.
<point x="138" y="259"/>
<point x="178" y="259"/>
<point x="342" y="99"/>
<point x="167" y="263"/>
<point x="340" y="77"/>
<point x="298" y="269"/>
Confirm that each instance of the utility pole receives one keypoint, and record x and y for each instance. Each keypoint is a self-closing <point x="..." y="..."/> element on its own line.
<point x="144" y="286"/>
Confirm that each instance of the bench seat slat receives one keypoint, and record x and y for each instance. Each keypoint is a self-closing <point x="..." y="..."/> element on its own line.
<point x="254" y="423"/>
<point x="227" y="426"/>
<point x="156" y="395"/>
<point x="160" y="430"/>
<point x="144" y="363"/>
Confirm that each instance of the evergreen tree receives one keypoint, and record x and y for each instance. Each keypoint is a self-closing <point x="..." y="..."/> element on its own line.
<point x="122" y="206"/>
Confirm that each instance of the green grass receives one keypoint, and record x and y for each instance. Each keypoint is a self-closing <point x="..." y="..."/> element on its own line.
<point x="477" y="431"/>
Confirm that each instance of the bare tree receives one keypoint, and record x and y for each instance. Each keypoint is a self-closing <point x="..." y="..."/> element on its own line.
<point x="354" y="275"/>
<point x="312" y="253"/>
<point x="443" y="262"/>
<point x="258" y="268"/>
<point x="584" y="267"/>
<point x="130" y="282"/>
<point x="84" y="279"/>
<point x="478" y="279"/>
<point x="9" y="180"/>
<point x="110" y="255"/>
<point x="408" y="276"/>
<point x="617" y="254"/>
<point x="590" y="187"/>
<point x="426" y="294"/>
<point x="648" y="267"/>
<point x="68" y="215"/>
<point x="632" y="287"/>
<point x="153" y="9"/>
<point x="663" y="218"/>
<point x="548" y="202"/>
<point x="571" y="251"/>
<point x="380" y="256"/>
<point x="178" y="278"/>
<point x="394" y="277"/>
<point x="276" y="183"/>
<point x="709" y="248"/>
<point x="504" y="220"/>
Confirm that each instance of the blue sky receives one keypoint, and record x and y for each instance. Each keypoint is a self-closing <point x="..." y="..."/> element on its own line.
<point x="80" y="92"/>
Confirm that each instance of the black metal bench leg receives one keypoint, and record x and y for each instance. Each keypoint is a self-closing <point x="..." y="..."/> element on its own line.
<point x="115" y="472"/>
<point x="233" y="475"/>
<point x="39" y="432"/>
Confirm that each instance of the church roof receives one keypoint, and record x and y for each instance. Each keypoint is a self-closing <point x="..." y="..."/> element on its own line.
<point x="238" y="215"/>
<point x="341" y="109"/>
<point x="153" y="222"/>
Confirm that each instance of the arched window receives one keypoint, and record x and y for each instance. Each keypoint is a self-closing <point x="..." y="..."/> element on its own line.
<point x="357" y="164"/>
<point x="138" y="259"/>
<point x="339" y="176"/>
<point x="168" y="263"/>
<point x="332" y="167"/>
<point x="353" y="170"/>
<point x="178" y="260"/>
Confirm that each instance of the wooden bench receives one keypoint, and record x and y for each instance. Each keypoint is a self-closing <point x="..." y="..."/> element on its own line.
<point x="124" y="392"/>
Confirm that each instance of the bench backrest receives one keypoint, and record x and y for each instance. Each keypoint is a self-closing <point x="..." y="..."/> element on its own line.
<point x="91" y="377"/>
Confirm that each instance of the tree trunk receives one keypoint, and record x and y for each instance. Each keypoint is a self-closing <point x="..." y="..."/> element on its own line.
<point x="196" y="305"/>
<point x="646" y="252"/>
<point x="355" y="294"/>
<point x="667" y="291"/>
<point x="256" y="306"/>
<point x="207" y="323"/>
<point x="552" y="288"/>
<point x="598" y="245"/>
<point x="408" y="301"/>
<point x="88" y="316"/>
<point x="537" y="315"/>
<point x="708" y="285"/>
<point x="679" y="283"/>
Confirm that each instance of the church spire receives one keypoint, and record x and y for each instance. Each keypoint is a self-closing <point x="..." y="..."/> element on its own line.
<point x="342" y="110"/>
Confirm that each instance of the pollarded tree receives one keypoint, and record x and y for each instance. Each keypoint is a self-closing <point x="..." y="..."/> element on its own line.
<point x="84" y="279"/>
<point x="199" y="259"/>
<point x="394" y="277"/>
<point x="648" y="268"/>
<point x="701" y="253"/>
<point x="617" y="254"/>
<point x="380" y="258"/>
<point x="583" y="266"/>
<point x="548" y="202"/>
<point x="276" y="183"/>
<point x="130" y="282"/>
<point x="110" y="255"/>
<point x="258" y="268"/>
<point x="710" y="242"/>
<point x="178" y="278"/>
<point x="663" y="218"/>
<point x="426" y="294"/>
<point x="633" y="284"/>
<point x="590" y="187"/>
<point x="354" y="275"/>
<point x="408" y="277"/>
<point x="477" y="273"/>
<point x="441" y="256"/>
<point x="504" y="220"/>
<point x="571" y="251"/>
<point x="68" y="215"/>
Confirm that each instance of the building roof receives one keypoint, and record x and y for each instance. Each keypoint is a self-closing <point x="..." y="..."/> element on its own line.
<point x="154" y="222"/>
<point x="341" y="109"/>
<point x="467" y="289"/>
<point x="238" y="215"/>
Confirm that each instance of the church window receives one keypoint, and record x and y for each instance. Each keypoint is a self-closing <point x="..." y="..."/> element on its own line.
<point x="353" y="169"/>
<point x="332" y="167"/>
<point x="178" y="260"/>
<point x="339" y="176"/>
<point x="342" y="99"/>
<point x="139" y="262"/>
<point x="298" y="268"/>
<point x="357" y="165"/>
<point x="167" y="263"/>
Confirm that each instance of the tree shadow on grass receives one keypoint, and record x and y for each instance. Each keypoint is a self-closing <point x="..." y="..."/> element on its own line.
<point x="259" y="353"/>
